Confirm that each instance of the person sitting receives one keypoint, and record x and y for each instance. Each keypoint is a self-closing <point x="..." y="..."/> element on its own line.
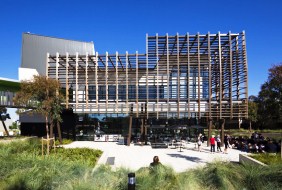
<point x="271" y="147"/>
<point x="155" y="162"/>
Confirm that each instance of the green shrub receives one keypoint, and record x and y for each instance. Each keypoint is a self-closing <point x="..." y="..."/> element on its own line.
<point x="262" y="177"/>
<point x="268" y="158"/>
<point x="64" y="141"/>
<point x="157" y="177"/>
<point x="85" y="155"/>
<point x="23" y="167"/>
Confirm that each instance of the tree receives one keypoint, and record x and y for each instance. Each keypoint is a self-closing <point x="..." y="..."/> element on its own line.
<point x="270" y="98"/>
<point x="3" y="117"/>
<point x="42" y="95"/>
<point x="252" y="113"/>
<point x="14" y="125"/>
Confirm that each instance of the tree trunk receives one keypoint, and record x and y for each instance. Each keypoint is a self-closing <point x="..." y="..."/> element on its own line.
<point x="47" y="128"/>
<point x="59" y="132"/>
<point x="4" y="125"/>
<point x="250" y="127"/>
<point x="47" y="134"/>
<point x="51" y="130"/>
<point x="51" y="134"/>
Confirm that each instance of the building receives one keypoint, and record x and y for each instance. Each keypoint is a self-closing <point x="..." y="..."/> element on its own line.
<point x="8" y="88"/>
<point x="35" y="48"/>
<point x="182" y="76"/>
<point x="178" y="76"/>
<point x="33" y="62"/>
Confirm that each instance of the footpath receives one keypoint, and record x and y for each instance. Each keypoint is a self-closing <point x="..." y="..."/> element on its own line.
<point x="135" y="156"/>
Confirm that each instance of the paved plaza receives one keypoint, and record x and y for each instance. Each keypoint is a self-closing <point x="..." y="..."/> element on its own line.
<point x="135" y="156"/>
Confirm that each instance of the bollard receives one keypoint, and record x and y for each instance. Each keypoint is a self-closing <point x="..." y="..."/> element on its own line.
<point x="131" y="181"/>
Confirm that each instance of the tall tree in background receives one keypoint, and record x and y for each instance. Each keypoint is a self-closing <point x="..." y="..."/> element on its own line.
<point x="43" y="96"/>
<point x="252" y="113"/>
<point x="270" y="98"/>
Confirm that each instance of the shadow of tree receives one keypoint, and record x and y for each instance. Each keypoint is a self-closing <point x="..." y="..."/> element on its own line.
<point x="190" y="158"/>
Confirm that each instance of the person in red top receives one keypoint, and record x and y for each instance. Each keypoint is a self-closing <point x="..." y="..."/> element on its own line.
<point x="212" y="141"/>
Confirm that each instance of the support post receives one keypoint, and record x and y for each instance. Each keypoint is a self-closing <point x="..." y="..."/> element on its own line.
<point x="142" y="130"/>
<point x="129" y="131"/>
<point x="210" y="74"/>
<point x="86" y="79"/>
<point x="96" y="82"/>
<point x="167" y="73"/>
<point x="230" y="74"/>
<point x="157" y="65"/>
<point x="245" y="71"/>
<point x="57" y="66"/>
<point x="126" y="83"/>
<point x="222" y="130"/>
<point x="76" y="80"/>
<point x="220" y="77"/>
<point x="67" y="80"/>
<point x="147" y="65"/>
<point x="209" y="130"/>
<point x="47" y="64"/>
<point x="199" y="78"/>
<point x="178" y="77"/>
<point x="145" y="136"/>
<point x="136" y="86"/>
<point x="188" y="75"/>
<point x="117" y="82"/>
<point x="106" y="81"/>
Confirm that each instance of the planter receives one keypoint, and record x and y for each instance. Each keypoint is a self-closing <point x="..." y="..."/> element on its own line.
<point x="244" y="159"/>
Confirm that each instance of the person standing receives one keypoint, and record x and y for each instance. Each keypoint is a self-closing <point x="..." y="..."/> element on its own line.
<point x="226" y="143"/>
<point x="212" y="141"/>
<point x="218" y="143"/>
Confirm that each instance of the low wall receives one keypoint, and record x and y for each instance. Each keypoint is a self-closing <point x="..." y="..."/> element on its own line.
<point x="244" y="159"/>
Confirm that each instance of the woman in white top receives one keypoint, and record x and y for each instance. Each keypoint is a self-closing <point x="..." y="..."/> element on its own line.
<point x="218" y="143"/>
<point x="200" y="139"/>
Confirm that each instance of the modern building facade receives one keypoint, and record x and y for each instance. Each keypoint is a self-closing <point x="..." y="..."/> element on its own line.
<point x="35" y="48"/>
<point x="8" y="89"/>
<point x="181" y="76"/>
<point x="180" y="81"/>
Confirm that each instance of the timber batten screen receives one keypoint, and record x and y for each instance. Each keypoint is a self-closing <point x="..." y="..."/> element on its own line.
<point x="178" y="76"/>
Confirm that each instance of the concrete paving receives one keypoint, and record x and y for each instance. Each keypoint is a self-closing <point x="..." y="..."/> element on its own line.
<point x="134" y="157"/>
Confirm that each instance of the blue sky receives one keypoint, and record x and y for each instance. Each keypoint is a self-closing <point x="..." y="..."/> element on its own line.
<point x="122" y="25"/>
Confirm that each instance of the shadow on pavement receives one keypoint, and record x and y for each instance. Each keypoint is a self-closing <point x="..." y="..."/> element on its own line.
<point x="190" y="158"/>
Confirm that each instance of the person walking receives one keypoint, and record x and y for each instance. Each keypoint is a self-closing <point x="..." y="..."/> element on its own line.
<point x="200" y="142"/>
<point x="218" y="143"/>
<point x="212" y="142"/>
